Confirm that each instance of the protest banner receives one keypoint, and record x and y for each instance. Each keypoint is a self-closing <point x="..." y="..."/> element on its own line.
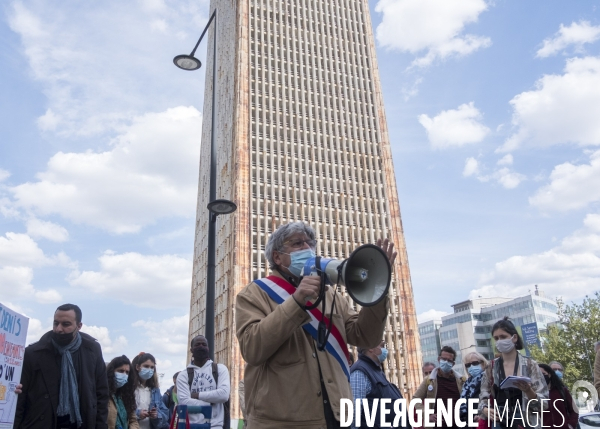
<point x="13" y="334"/>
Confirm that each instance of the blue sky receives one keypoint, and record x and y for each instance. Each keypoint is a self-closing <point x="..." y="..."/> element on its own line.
<point x="492" y="109"/>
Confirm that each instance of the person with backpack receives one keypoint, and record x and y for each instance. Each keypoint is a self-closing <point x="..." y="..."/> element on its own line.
<point x="169" y="398"/>
<point x="562" y="413"/>
<point x="205" y="383"/>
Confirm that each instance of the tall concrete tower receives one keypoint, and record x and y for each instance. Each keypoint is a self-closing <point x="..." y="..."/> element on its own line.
<point x="302" y="135"/>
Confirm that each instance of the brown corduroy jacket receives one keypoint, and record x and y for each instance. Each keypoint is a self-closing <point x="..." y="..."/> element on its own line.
<point x="112" y="416"/>
<point x="282" y="384"/>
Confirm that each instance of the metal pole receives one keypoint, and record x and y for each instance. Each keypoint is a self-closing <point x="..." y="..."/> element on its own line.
<point x="209" y="332"/>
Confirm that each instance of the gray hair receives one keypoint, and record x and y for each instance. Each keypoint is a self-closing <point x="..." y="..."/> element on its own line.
<point x="426" y="364"/>
<point x="281" y="234"/>
<point x="479" y="357"/>
<point x="557" y="363"/>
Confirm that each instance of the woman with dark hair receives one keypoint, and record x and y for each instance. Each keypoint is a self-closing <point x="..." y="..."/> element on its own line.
<point x="151" y="412"/>
<point x="562" y="413"/>
<point x="520" y="405"/>
<point x="121" y="402"/>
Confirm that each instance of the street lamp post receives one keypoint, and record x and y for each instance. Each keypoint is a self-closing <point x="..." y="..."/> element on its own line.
<point x="215" y="206"/>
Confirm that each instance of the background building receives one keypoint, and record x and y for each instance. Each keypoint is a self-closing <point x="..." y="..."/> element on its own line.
<point x="301" y="135"/>
<point x="469" y="327"/>
<point x="429" y="333"/>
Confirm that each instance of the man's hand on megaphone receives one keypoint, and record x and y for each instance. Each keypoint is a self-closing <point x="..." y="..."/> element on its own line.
<point x="388" y="249"/>
<point x="307" y="289"/>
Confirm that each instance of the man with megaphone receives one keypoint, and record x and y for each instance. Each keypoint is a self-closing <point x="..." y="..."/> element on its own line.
<point x="293" y="328"/>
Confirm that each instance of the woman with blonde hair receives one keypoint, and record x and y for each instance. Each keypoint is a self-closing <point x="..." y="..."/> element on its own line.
<point x="475" y="364"/>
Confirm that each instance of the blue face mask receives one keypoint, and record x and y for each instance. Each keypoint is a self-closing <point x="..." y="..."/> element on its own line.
<point x="299" y="258"/>
<point x="559" y="373"/>
<point x="474" y="370"/>
<point x="121" y="379"/>
<point x="146" y="373"/>
<point x="445" y="365"/>
<point x="383" y="355"/>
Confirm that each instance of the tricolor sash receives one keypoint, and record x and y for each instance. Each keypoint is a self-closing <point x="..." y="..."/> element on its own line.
<point x="279" y="290"/>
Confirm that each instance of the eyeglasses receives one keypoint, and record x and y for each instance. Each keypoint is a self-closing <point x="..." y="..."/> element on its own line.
<point x="468" y="365"/>
<point x="299" y="243"/>
<point x="427" y="373"/>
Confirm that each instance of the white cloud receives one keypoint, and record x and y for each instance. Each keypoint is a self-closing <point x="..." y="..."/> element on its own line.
<point x="42" y="229"/>
<point x="506" y="160"/>
<point x="431" y="315"/>
<point x="150" y="173"/>
<point x="576" y="34"/>
<point x="145" y="281"/>
<point x="35" y="330"/>
<point x="15" y="283"/>
<point x="562" y="109"/>
<point x="102" y="334"/>
<point x="570" y="270"/>
<point x="20" y="249"/>
<point x="455" y="128"/>
<point x="471" y="167"/>
<point x="49" y="296"/>
<point x="504" y="176"/>
<point x="571" y="186"/>
<point x="94" y="90"/>
<point x="433" y="26"/>
<point x="4" y="175"/>
<point x="169" y="336"/>
<point x="509" y="179"/>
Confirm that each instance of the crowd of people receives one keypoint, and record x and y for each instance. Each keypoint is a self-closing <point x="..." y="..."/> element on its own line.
<point x="295" y="374"/>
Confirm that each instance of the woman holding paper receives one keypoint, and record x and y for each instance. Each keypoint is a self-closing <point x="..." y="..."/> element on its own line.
<point x="513" y="388"/>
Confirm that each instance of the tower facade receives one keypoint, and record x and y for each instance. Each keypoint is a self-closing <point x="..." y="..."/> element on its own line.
<point x="302" y="135"/>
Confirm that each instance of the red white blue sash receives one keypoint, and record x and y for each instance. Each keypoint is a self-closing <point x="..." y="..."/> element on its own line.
<point x="279" y="290"/>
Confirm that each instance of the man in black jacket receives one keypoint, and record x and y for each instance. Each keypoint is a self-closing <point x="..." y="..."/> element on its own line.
<point x="368" y="381"/>
<point x="64" y="378"/>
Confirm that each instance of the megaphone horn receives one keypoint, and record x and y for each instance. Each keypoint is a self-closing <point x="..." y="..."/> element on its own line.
<point x="366" y="274"/>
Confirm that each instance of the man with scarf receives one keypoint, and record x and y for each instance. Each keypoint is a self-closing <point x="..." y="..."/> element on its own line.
<point x="205" y="383"/>
<point x="289" y="381"/>
<point x="64" y="378"/>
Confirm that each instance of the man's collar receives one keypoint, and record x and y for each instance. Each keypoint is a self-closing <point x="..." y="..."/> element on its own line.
<point x="287" y="277"/>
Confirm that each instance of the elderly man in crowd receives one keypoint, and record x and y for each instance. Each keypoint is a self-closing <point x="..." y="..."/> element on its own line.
<point x="289" y="382"/>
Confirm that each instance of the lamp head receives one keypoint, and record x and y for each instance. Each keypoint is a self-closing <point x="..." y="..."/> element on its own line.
<point x="221" y="207"/>
<point x="187" y="62"/>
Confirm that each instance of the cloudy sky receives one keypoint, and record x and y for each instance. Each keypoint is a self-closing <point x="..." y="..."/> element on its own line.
<point x="493" y="109"/>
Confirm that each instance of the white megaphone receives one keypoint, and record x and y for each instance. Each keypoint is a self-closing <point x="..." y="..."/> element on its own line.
<point x="366" y="274"/>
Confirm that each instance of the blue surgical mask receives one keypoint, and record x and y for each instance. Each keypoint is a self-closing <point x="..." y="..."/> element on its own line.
<point x="474" y="370"/>
<point x="146" y="373"/>
<point x="299" y="259"/>
<point x="559" y="373"/>
<point x="445" y="365"/>
<point x="121" y="379"/>
<point x="383" y="355"/>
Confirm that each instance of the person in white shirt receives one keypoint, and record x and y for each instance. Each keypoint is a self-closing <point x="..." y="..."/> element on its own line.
<point x="203" y="389"/>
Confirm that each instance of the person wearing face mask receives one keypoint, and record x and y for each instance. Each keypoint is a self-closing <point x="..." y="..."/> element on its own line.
<point x="63" y="379"/>
<point x="475" y="364"/>
<point x="205" y="383"/>
<point x="121" y="404"/>
<point x="289" y="382"/>
<point x="561" y="412"/>
<point x="368" y="381"/>
<point x="443" y="383"/>
<point x="559" y="370"/>
<point x="531" y="397"/>
<point x="151" y="412"/>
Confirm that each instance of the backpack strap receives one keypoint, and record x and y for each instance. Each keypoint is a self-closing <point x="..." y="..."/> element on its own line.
<point x="190" y="372"/>
<point x="215" y="372"/>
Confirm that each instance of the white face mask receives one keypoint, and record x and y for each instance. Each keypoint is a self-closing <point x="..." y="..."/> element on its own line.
<point x="505" y="346"/>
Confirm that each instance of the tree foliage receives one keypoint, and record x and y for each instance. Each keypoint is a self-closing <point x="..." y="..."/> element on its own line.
<point x="572" y="342"/>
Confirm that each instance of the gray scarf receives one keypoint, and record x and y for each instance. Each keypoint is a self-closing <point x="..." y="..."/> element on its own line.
<point x="68" y="400"/>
